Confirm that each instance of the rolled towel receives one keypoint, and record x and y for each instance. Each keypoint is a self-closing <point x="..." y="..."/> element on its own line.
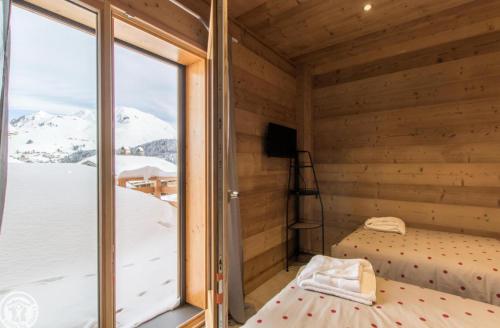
<point x="386" y="224"/>
<point x="311" y="278"/>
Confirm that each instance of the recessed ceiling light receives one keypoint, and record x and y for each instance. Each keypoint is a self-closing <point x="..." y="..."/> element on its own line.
<point x="367" y="7"/>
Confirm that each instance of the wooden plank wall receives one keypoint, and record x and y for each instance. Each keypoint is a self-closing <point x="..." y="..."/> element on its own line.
<point x="407" y="123"/>
<point x="264" y="92"/>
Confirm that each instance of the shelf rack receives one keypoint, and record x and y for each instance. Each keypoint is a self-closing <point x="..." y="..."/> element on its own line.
<point x="295" y="192"/>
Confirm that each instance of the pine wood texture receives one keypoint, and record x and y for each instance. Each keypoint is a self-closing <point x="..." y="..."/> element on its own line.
<point x="263" y="93"/>
<point x="187" y="31"/>
<point x="297" y="27"/>
<point x="407" y="122"/>
<point x="196" y="185"/>
<point x="107" y="235"/>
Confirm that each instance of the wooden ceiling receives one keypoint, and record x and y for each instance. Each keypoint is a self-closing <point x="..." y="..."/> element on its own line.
<point x="297" y="27"/>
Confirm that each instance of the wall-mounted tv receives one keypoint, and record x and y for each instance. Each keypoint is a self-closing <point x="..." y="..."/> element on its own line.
<point x="281" y="141"/>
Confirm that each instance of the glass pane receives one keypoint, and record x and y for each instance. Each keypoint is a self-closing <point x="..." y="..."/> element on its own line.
<point x="49" y="238"/>
<point x="146" y="129"/>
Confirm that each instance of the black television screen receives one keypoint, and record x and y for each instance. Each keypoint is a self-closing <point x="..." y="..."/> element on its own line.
<point x="281" y="141"/>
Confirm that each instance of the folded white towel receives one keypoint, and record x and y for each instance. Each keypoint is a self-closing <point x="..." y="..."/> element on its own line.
<point x="386" y="224"/>
<point x="347" y="284"/>
<point x="314" y="277"/>
<point x="334" y="268"/>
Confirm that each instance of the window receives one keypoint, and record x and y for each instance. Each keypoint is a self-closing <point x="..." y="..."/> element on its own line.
<point x="148" y="206"/>
<point x="49" y="239"/>
<point x="59" y="177"/>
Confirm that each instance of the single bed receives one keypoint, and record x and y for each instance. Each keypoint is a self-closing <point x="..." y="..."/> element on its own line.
<point x="458" y="264"/>
<point x="398" y="305"/>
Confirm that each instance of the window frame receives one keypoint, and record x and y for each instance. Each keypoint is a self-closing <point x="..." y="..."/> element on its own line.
<point x="181" y="159"/>
<point x="197" y="219"/>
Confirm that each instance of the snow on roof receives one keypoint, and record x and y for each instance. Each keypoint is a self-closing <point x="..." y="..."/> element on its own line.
<point x="127" y="166"/>
<point x="13" y="160"/>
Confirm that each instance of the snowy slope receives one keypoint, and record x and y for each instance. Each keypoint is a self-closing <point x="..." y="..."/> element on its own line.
<point x="48" y="247"/>
<point x="47" y="138"/>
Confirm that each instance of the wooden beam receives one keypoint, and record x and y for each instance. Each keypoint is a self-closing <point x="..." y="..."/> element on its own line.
<point x="196" y="189"/>
<point x="183" y="29"/>
<point x="107" y="307"/>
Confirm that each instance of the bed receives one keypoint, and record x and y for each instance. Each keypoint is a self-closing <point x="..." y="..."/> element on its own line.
<point x="398" y="305"/>
<point x="458" y="264"/>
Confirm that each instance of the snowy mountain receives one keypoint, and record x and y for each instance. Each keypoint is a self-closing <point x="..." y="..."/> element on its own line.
<point x="134" y="127"/>
<point x="47" y="138"/>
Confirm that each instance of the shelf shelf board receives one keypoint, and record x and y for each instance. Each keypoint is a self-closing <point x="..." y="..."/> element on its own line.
<point x="303" y="165"/>
<point x="304" y="225"/>
<point x="305" y="192"/>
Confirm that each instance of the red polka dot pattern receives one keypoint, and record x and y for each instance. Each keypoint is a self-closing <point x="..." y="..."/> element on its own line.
<point x="398" y="305"/>
<point x="449" y="262"/>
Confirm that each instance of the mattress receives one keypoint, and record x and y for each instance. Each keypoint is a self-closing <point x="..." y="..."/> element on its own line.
<point x="458" y="264"/>
<point x="398" y="305"/>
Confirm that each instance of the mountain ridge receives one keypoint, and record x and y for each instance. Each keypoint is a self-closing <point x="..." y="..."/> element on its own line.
<point x="43" y="137"/>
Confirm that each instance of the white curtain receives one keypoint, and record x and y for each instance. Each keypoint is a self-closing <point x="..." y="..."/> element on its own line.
<point x="4" y="118"/>
<point x="235" y="279"/>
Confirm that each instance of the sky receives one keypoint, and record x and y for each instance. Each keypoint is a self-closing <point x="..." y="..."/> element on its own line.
<point x="53" y="68"/>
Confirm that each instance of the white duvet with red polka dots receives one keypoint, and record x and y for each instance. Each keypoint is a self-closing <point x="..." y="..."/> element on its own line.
<point x="398" y="305"/>
<point x="458" y="264"/>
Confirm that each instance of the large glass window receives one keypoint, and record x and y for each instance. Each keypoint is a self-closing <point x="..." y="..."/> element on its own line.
<point x="49" y="237"/>
<point x="147" y="167"/>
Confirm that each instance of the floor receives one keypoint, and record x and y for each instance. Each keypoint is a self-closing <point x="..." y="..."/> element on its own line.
<point x="256" y="299"/>
<point x="172" y="318"/>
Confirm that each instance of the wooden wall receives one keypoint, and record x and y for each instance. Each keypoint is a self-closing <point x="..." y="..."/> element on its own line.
<point x="406" y="123"/>
<point x="264" y="93"/>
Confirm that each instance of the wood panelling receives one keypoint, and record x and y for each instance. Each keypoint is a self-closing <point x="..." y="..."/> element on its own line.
<point x="239" y="7"/>
<point x="264" y="92"/>
<point x="239" y="32"/>
<point x="471" y="19"/>
<point x="407" y="123"/>
<point x="298" y="27"/>
<point x="166" y="16"/>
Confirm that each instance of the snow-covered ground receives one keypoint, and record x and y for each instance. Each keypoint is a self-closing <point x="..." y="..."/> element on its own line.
<point x="43" y="137"/>
<point x="48" y="247"/>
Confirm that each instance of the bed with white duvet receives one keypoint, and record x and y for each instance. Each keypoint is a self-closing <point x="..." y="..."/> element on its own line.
<point x="397" y="305"/>
<point x="459" y="264"/>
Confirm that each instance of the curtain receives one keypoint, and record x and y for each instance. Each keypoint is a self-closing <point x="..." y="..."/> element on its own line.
<point x="235" y="274"/>
<point x="4" y="119"/>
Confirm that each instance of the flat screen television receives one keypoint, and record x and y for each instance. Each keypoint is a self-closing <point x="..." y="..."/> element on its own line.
<point x="281" y="141"/>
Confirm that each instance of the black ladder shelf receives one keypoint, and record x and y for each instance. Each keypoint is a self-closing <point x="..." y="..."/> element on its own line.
<point x="296" y="192"/>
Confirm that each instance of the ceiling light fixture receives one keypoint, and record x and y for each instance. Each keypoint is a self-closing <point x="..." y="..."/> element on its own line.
<point x="367" y="7"/>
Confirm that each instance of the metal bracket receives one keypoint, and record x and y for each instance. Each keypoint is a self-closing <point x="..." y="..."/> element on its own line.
<point x="233" y="194"/>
